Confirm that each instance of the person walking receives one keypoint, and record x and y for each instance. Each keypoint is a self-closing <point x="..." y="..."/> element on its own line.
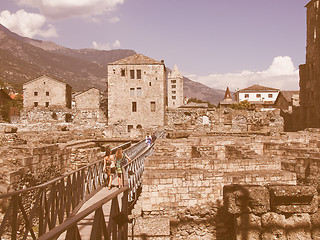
<point x="108" y="165"/>
<point x="121" y="159"/>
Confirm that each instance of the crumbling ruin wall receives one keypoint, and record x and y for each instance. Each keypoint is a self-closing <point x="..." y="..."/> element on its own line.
<point x="184" y="181"/>
<point x="84" y="118"/>
<point x="224" y="120"/>
<point x="186" y="175"/>
<point x="24" y="166"/>
<point x="272" y="212"/>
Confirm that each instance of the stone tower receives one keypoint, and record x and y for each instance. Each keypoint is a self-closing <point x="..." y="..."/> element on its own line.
<point x="175" y="88"/>
<point x="136" y="92"/>
<point x="310" y="71"/>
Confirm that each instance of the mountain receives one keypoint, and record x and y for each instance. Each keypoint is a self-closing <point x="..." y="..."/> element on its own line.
<point x="23" y="59"/>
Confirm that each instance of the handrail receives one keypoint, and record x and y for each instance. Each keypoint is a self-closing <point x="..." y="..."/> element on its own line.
<point x="58" y="178"/>
<point x="53" y="202"/>
<point x="57" y="202"/>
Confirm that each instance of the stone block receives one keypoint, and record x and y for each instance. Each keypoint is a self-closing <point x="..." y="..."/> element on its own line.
<point x="248" y="226"/>
<point x="151" y="227"/>
<point x="293" y="199"/>
<point x="273" y="225"/>
<point x="315" y="225"/>
<point x="246" y="199"/>
<point x="298" y="226"/>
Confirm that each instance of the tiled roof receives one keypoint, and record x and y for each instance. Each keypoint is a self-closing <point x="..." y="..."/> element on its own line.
<point x="288" y="94"/>
<point x="257" y="87"/>
<point x="137" y="59"/>
<point x="46" y="76"/>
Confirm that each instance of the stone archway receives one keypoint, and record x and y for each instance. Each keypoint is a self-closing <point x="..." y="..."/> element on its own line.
<point x="240" y="124"/>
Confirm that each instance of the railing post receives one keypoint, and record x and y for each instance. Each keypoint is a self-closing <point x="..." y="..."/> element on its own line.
<point x="14" y="218"/>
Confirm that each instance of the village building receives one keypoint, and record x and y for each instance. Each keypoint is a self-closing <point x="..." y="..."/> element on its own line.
<point x="175" y="88"/>
<point x="88" y="99"/>
<point x="46" y="92"/>
<point x="137" y="92"/>
<point x="227" y="100"/>
<point x="310" y="71"/>
<point x="260" y="97"/>
<point x="286" y="100"/>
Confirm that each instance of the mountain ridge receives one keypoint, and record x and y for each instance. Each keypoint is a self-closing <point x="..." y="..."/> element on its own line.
<point x="23" y="59"/>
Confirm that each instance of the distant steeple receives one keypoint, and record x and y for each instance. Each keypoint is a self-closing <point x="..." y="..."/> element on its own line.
<point x="227" y="95"/>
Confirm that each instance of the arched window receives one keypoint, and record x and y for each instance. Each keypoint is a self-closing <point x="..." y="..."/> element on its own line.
<point x="139" y="126"/>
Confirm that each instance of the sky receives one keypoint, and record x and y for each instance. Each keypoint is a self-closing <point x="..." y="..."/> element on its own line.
<point x="235" y="43"/>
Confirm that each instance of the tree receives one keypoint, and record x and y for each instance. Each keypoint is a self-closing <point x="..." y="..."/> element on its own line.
<point x="210" y="105"/>
<point x="243" y="105"/>
<point x="17" y="102"/>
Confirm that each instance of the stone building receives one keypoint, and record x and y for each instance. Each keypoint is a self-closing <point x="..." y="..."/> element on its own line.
<point x="136" y="92"/>
<point x="88" y="99"/>
<point x="310" y="71"/>
<point x="175" y="88"/>
<point x="259" y="96"/>
<point x="286" y="100"/>
<point x="47" y="92"/>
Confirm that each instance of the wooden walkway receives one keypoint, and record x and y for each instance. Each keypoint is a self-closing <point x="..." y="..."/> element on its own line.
<point x="85" y="225"/>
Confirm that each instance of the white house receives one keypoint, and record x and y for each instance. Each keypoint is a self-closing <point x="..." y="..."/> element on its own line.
<point x="259" y="96"/>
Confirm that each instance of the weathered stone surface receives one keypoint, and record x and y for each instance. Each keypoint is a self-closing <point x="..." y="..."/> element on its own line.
<point x="315" y="223"/>
<point x="293" y="199"/>
<point x="273" y="225"/>
<point x="155" y="227"/>
<point x="246" y="199"/>
<point x="298" y="226"/>
<point x="248" y="226"/>
<point x="10" y="129"/>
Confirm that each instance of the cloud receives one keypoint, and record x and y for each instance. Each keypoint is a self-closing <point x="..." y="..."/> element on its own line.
<point x="281" y="74"/>
<point x="27" y="24"/>
<point x="114" y="20"/>
<point x="106" y="46"/>
<point x="58" y="9"/>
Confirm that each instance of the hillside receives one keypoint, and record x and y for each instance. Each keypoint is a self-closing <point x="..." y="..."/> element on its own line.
<point x="23" y="59"/>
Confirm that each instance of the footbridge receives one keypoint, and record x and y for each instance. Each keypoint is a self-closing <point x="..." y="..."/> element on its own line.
<point x="77" y="205"/>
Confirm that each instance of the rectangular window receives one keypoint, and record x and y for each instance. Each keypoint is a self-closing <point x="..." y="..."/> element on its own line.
<point x="258" y="95"/>
<point x="153" y="106"/>
<point x="246" y="95"/>
<point x="138" y="74"/>
<point x="47" y="104"/>
<point x="130" y="127"/>
<point x="173" y="97"/>
<point x="173" y="86"/>
<point x="270" y="95"/>
<point x="47" y="93"/>
<point x="139" y="92"/>
<point x="35" y="104"/>
<point x="131" y="92"/>
<point x="173" y="92"/>
<point x="173" y="81"/>
<point x="132" y="74"/>
<point x="134" y="106"/>
<point x="150" y="84"/>
<point x="35" y="93"/>
<point x="123" y="72"/>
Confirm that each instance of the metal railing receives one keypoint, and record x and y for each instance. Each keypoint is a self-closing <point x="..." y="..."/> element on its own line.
<point x="56" y="203"/>
<point x="33" y="211"/>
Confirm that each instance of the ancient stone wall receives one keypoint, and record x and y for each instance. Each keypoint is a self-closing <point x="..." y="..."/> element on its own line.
<point x="184" y="179"/>
<point x="272" y="212"/>
<point x="29" y="158"/>
<point x="53" y="118"/>
<point x="25" y="166"/>
<point x="224" y="120"/>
